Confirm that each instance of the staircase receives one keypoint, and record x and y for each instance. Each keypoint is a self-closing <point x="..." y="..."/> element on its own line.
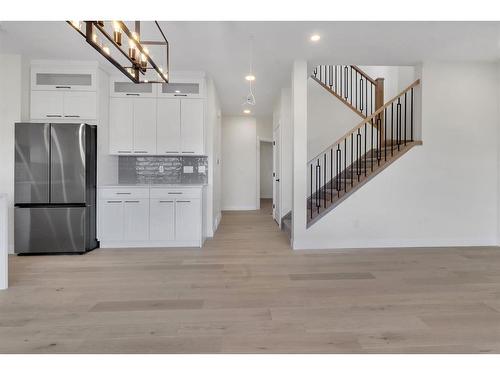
<point x="385" y="133"/>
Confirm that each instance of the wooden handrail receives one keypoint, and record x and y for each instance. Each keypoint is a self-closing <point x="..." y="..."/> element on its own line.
<point x="368" y="119"/>
<point x="364" y="74"/>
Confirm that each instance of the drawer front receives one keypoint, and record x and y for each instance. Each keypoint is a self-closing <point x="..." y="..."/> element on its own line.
<point x="123" y="193"/>
<point x="171" y="193"/>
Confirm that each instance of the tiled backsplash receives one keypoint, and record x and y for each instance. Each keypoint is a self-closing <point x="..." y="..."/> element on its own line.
<point x="162" y="170"/>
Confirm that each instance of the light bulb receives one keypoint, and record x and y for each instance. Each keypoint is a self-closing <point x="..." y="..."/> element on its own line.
<point x="117" y="34"/>
<point x="106" y="49"/>
<point x="315" y="38"/>
<point x="250" y="77"/>
<point x="246" y="111"/>
<point x="135" y="35"/>
<point x="116" y="26"/>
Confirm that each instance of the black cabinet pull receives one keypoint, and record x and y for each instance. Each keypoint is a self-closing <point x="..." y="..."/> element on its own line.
<point x="128" y="94"/>
<point x="63" y="87"/>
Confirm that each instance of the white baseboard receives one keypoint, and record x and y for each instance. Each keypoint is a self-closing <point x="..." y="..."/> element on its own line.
<point x="137" y="244"/>
<point x="240" y="208"/>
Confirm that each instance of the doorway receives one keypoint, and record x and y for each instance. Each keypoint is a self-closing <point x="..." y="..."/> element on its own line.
<point x="266" y="179"/>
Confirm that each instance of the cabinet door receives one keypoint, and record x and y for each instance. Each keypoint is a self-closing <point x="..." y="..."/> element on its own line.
<point x="144" y="126"/>
<point x="121" y="126"/>
<point x="187" y="220"/>
<point x="162" y="220"/>
<point x="136" y="219"/>
<point x="168" y="126"/>
<point x="192" y="119"/>
<point x="80" y="105"/>
<point x="111" y="220"/>
<point x="47" y="105"/>
<point x="63" y="79"/>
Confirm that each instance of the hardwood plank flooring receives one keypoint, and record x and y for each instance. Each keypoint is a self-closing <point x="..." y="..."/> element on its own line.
<point x="246" y="291"/>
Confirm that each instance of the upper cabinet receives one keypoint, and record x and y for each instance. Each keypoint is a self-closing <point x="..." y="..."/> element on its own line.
<point x="121" y="87"/>
<point x="183" y="88"/>
<point x="192" y="120"/>
<point x="62" y="93"/>
<point x="63" y="79"/>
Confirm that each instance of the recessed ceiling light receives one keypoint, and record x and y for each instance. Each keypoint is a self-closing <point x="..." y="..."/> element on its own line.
<point x="177" y="91"/>
<point x="246" y="111"/>
<point x="315" y="37"/>
<point x="250" y="77"/>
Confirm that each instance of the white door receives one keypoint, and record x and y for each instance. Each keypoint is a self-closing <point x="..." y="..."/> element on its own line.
<point x="276" y="175"/>
<point x="136" y="219"/>
<point x="144" y="125"/>
<point x="80" y="105"/>
<point x="110" y="220"/>
<point x="47" y="105"/>
<point x="192" y="119"/>
<point x="121" y="126"/>
<point x="162" y="220"/>
<point x="187" y="220"/>
<point x="168" y="126"/>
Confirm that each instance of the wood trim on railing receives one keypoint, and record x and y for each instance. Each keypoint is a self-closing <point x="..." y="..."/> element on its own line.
<point x="368" y="119"/>
<point x="327" y="88"/>
<point x="364" y="74"/>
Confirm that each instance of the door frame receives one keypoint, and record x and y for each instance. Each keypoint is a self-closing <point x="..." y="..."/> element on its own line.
<point x="277" y="191"/>
<point x="257" y="190"/>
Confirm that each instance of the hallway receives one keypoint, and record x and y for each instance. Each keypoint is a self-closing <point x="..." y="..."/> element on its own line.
<point x="246" y="291"/>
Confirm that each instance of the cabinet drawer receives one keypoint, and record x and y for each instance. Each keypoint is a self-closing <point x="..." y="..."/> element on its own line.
<point x="123" y="193"/>
<point x="171" y="193"/>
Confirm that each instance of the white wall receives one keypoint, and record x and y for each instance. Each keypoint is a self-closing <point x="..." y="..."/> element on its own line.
<point x="286" y="178"/>
<point x="213" y="147"/>
<point x="266" y="170"/>
<point x="264" y="127"/>
<point x="444" y="193"/>
<point x="10" y="112"/>
<point x="239" y="167"/>
<point x="396" y="78"/>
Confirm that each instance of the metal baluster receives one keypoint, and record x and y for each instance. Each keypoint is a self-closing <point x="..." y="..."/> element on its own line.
<point x="324" y="181"/>
<point x="346" y="86"/>
<point x="331" y="175"/>
<point x="365" y="150"/>
<point x="361" y="94"/>
<point x="385" y="133"/>
<point x="392" y="128"/>
<point x="405" y="120"/>
<point x="336" y="85"/>
<point x="338" y="165"/>
<point x="318" y="176"/>
<point x="371" y="157"/>
<point x="398" y="121"/>
<point x="311" y="199"/>
<point x="316" y="72"/>
<point x="358" y="154"/>
<point x="366" y="98"/>
<point x="350" y="83"/>
<point x="411" y="114"/>
<point x="379" y="139"/>
<point x="341" y="81"/>
<point x="352" y="159"/>
<point x="356" y="84"/>
<point x="345" y="164"/>
<point x="330" y="78"/>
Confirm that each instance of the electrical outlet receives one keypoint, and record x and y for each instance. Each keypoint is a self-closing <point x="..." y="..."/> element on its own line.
<point x="161" y="169"/>
<point x="188" y="169"/>
<point x="201" y="169"/>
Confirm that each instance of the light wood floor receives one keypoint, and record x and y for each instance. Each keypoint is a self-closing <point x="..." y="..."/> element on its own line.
<point x="247" y="292"/>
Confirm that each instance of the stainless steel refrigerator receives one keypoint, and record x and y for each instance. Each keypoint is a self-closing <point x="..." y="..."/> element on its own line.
<point x="55" y="188"/>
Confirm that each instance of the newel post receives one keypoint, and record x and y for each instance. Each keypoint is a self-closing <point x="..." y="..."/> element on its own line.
<point x="379" y="102"/>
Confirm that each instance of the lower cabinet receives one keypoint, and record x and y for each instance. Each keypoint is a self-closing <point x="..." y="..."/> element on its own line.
<point x="150" y="217"/>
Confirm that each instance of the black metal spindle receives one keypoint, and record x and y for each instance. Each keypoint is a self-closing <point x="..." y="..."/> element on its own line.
<point x="330" y="78"/>
<point x="336" y="83"/>
<point x="385" y="133"/>
<point x="352" y="159"/>
<point x="371" y="156"/>
<point x="324" y="180"/>
<point x="318" y="182"/>
<point x="398" y="122"/>
<point x="350" y="83"/>
<point x="358" y="154"/>
<point x="338" y="165"/>
<point x="356" y="87"/>
<point x="366" y="98"/>
<point x="311" y="190"/>
<point x="345" y="164"/>
<point x="365" y="149"/>
<point x="361" y="94"/>
<point x="392" y="128"/>
<point x="346" y="86"/>
<point x="331" y="175"/>
<point x="405" y="121"/>
<point x="411" y="114"/>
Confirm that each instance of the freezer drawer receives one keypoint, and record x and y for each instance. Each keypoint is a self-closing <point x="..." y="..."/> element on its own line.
<point x="51" y="229"/>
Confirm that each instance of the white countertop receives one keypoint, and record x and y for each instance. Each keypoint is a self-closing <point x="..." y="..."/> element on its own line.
<point x="151" y="185"/>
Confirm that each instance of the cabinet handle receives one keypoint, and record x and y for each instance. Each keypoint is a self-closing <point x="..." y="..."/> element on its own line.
<point x="171" y="152"/>
<point x="124" y="152"/>
<point x="166" y="201"/>
<point x="123" y="193"/>
<point x="131" y="201"/>
<point x="114" y="201"/>
<point x="140" y="152"/>
<point x="188" y="152"/>
<point x="53" y="115"/>
<point x="132" y="94"/>
<point x="63" y="87"/>
<point x="183" y="201"/>
<point x="175" y="192"/>
<point x="180" y="94"/>
<point x="71" y="116"/>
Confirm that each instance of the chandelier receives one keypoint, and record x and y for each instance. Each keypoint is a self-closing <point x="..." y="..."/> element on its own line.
<point x="136" y="62"/>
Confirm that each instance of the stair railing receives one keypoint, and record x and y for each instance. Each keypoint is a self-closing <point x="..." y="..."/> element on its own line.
<point x="336" y="170"/>
<point x="352" y="86"/>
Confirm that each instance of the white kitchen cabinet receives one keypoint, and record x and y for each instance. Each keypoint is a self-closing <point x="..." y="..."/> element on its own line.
<point x="136" y="219"/>
<point x="71" y="106"/>
<point x="144" y="128"/>
<point x="121" y="126"/>
<point x="192" y="120"/>
<point x="187" y="219"/>
<point x="60" y="78"/>
<point x="162" y="220"/>
<point x="183" y="88"/>
<point x="47" y="105"/>
<point x="121" y="87"/>
<point x="168" y="126"/>
<point x="110" y="220"/>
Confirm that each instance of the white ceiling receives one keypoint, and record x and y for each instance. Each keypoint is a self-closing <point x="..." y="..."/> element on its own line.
<point x="222" y="49"/>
